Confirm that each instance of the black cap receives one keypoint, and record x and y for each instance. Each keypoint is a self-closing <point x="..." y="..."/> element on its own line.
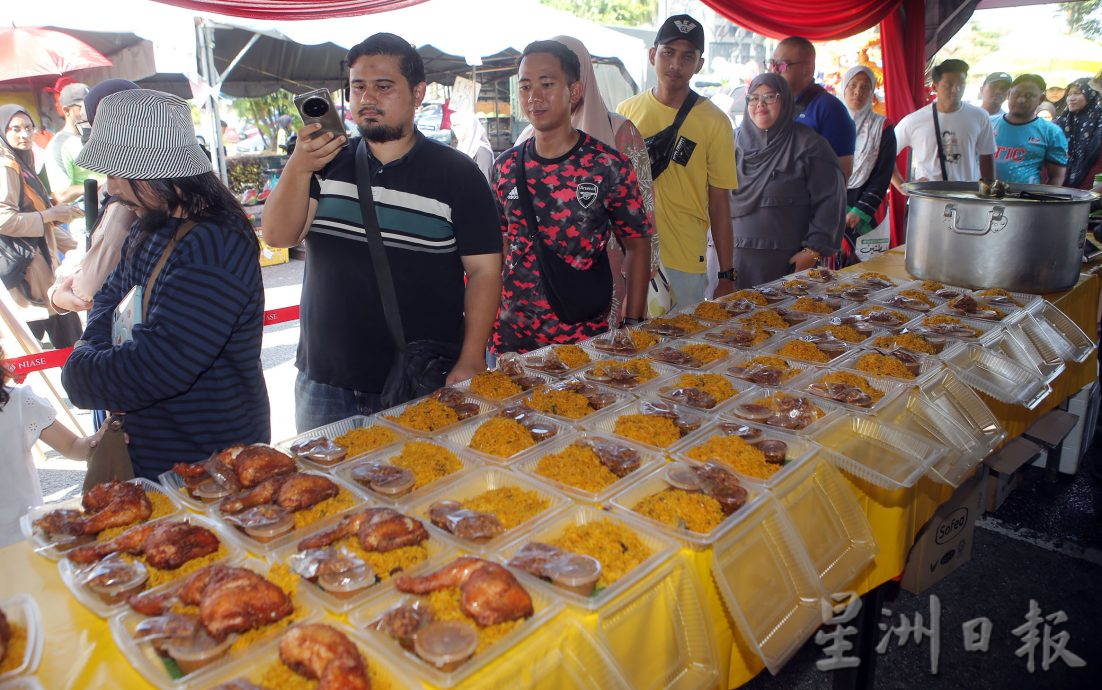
<point x="998" y="76"/>
<point x="681" y="27"/>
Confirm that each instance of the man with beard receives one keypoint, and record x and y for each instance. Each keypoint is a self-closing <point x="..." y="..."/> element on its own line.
<point x="438" y="222"/>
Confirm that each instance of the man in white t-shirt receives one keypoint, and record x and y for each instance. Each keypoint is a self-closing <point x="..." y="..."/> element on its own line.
<point x="967" y="146"/>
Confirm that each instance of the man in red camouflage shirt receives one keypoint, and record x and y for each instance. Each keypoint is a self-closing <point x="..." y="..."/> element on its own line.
<point x="582" y="191"/>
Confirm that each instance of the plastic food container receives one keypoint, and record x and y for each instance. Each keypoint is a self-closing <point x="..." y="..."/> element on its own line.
<point x="1052" y="327"/>
<point x="810" y="382"/>
<point x="446" y="644"/>
<point x="877" y="452"/>
<point x="723" y="310"/>
<point x="479" y="481"/>
<point x="55" y="549"/>
<point x="793" y="318"/>
<point x="663" y="326"/>
<point x="352" y="474"/>
<point x="115" y="599"/>
<point x="832" y="348"/>
<point x="648" y="460"/>
<point x="948" y="292"/>
<point x="332" y="432"/>
<point x="924" y="367"/>
<point x="544" y="379"/>
<point x="827" y="518"/>
<point x="624" y="503"/>
<point x="264" y="523"/>
<point x="998" y="376"/>
<point x="386" y="415"/>
<point x="611" y="344"/>
<point x="762" y="550"/>
<point x="439" y="551"/>
<point x="669" y="389"/>
<point x="365" y="617"/>
<point x="144" y="657"/>
<point x="986" y="308"/>
<point x="893" y="297"/>
<point x="676" y="346"/>
<point x="461" y="437"/>
<point x="806" y="330"/>
<point x="664" y="371"/>
<point x="742" y="370"/>
<point x="199" y="651"/>
<point x="796" y="449"/>
<point x="604" y="422"/>
<point x="536" y="360"/>
<point x="854" y="316"/>
<point x="661" y="547"/>
<point x="22" y="610"/>
<point x="1012" y="342"/>
<point x="739" y="411"/>
<point x="604" y="395"/>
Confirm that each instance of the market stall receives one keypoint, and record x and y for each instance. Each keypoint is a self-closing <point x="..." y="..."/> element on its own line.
<point x="708" y="605"/>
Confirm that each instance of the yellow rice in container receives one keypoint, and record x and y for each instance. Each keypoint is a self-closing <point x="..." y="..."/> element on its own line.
<point x="640" y="366"/>
<point x="162" y="506"/>
<point x="365" y="438"/>
<point x="841" y="332"/>
<point x="704" y="353"/>
<point x="689" y="510"/>
<point x="17" y="648"/>
<point x="736" y="454"/>
<point x="790" y="371"/>
<point x="883" y="365"/>
<point x="387" y="563"/>
<point x="811" y="305"/>
<point x="444" y="604"/>
<point x="945" y="319"/>
<point x="616" y="546"/>
<point x="817" y="274"/>
<point x="494" y="385"/>
<point x="853" y="381"/>
<point x="917" y="295"/>
<point x="510" y="504"/>
<point x="683" y="321"/>
<point x="910" y="341"/>
<point x="999" y="292"/>
<point x="560" y="402"/>
<point x="573" y="356"/>
<point x="713" y="384"/>
<point x="801" y="349"/>
<point x="870" y="275"/>
<point x="330" y="506"/>
<point x="765" y="318"/>
<point x="752" y="296"/>
<point x="641" y="339"/>
<point x="711" y="311"/>
<point x="158" y="577"/>
<point x="650" y="429"/>
<point x="577" y="466"/>
<point x="279" y="675"/>
<point x="868" y="311"/>
<point x="932" y="285"/>
<point x="502" y="437"/>
<point x="428" y="462"/>
<point x="427" y="415"/>
<point x="773" y="403"/>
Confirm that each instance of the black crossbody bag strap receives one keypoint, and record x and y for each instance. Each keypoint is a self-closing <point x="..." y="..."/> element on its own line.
<point x="379" y="262"/>
<point x="679" y="119"/>
<point x="940" y="149"/>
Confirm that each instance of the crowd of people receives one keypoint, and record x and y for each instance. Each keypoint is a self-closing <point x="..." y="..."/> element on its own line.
<point x="419" y="270"/>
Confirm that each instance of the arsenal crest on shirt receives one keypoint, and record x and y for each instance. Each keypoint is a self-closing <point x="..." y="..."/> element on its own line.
<point x="586" y="193"/>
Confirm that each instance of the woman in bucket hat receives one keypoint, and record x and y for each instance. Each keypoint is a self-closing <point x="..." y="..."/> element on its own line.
<point x="187" y="373"/>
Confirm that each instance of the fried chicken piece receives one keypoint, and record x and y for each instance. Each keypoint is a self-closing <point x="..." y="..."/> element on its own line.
<point x="5" y="635"/>
<point x="230" y="600"/>
<point x="377" y="529"/>
<point x="489" y="593"/>
<point x="300" y="491"/>
<point x="262" y="493"/>
<point x="257" y="463"/>
<point x="112" y="504"/>
<point x="321" y="652"/>
<point x="166" y="545"/>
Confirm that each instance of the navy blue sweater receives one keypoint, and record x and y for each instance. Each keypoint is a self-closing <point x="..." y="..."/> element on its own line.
<point x="190" y="381"/>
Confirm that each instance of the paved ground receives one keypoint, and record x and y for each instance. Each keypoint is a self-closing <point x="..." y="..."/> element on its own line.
<point x="1044" y="544"/>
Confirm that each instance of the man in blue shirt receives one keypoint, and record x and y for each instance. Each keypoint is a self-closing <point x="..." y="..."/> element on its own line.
<point x="1026" y="143"/>
<point x="794" y="59"/>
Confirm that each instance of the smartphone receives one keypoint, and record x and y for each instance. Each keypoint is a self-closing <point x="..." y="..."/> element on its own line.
<point x="317" y="106"/>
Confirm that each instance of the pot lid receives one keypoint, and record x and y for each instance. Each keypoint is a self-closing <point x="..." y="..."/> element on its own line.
<point x="1015" y="194"/>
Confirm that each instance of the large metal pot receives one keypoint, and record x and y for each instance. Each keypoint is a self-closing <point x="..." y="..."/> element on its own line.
<point x="1031" y="240"/>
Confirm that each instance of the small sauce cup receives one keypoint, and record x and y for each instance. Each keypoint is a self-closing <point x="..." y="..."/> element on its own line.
<point x="446" y="644"/>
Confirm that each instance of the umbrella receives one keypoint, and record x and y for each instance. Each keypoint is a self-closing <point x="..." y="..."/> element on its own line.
<point x="26" y="53"/>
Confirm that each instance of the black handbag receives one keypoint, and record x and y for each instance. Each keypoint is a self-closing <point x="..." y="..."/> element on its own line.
<point x="660" y="145"/>
<point x="575" y="295"/>
<point x="15" y="256"/>
<point x="419" y="367"/>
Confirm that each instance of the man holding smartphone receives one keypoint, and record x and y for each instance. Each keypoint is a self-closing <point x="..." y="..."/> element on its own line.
<point x="438" y="222"/>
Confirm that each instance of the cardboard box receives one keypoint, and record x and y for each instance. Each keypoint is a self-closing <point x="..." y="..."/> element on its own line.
<point x="945" y="542"/>
<point x="1003" y="475"/>
<point x="1055" y="428"/>
<point x="1083" y="405"/>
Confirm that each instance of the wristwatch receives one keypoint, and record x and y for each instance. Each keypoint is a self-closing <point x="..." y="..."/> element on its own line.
<point x="729" y="274"/>
<point x="631" y="321"/>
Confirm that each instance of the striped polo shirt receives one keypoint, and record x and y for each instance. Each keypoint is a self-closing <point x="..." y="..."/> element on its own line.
<point x="191" y="380"/>
<point x="434" y="207"/>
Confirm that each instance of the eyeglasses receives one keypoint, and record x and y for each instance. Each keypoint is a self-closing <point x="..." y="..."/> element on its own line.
<point x="781" y="66"/>
<point x="765" y="98"/>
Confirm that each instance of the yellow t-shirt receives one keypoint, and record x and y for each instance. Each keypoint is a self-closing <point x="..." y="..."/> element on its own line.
<point x="681" y="192"/>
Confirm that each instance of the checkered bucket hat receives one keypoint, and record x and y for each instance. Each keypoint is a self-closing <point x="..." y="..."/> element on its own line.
<point x="141" y="134"/>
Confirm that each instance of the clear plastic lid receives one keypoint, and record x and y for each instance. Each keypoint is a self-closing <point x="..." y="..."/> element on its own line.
<point x="786" y="410"/>
<point x="854" y="391"/>
<point x="877" y="452"/>
<point x="1012" y="342"/>
<point x="112" y="575"/>
<point x="388" y="480"/>
<point x="625" y="460"/>
<point x="998" y="376"/>
<point x="22" y="610"/>
<point x="1056" y="327"/>
<point x="263" y="522"/>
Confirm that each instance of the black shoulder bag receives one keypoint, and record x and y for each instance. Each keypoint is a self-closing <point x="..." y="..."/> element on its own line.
<point x="419" y="367"/>
<point x="940" y="149"/>
<point x="809" y="94"/>
<point x="575" y="295"/>
<point x="660" y="145"/>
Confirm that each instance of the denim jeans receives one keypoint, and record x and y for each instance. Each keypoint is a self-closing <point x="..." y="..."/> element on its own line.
<point x="318" y="404"/>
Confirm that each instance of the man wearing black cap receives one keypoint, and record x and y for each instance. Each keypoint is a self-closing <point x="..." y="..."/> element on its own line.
<point x="691" y="192"/>
<point x="993" y="92"/>
<point x="66" y="177"/>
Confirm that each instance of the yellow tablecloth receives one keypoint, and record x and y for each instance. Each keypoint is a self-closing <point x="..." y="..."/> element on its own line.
<point x="80" y="653"/>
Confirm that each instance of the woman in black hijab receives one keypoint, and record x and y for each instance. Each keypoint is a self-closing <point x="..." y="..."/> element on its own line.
<point x="27" y="219"/>
<point x="790" y="206"/>
<point x="1082" y="125"/>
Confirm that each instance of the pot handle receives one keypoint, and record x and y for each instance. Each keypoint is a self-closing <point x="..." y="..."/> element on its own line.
<point x="996" y="220"/>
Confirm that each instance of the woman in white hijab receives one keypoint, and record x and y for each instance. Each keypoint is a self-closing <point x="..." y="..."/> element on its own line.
<point x="873" y="158"/>
<point x="594" y="118"/>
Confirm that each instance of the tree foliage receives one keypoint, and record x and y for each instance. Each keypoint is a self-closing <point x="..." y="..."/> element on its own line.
<point x="1083" y="18"/>
<point x="265" y="111"/>
<point x="622" y="12"/>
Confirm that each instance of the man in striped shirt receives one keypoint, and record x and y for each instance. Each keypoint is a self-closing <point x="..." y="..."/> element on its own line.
<point x="438" y="223"/>
<point x="188" y="376"/>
